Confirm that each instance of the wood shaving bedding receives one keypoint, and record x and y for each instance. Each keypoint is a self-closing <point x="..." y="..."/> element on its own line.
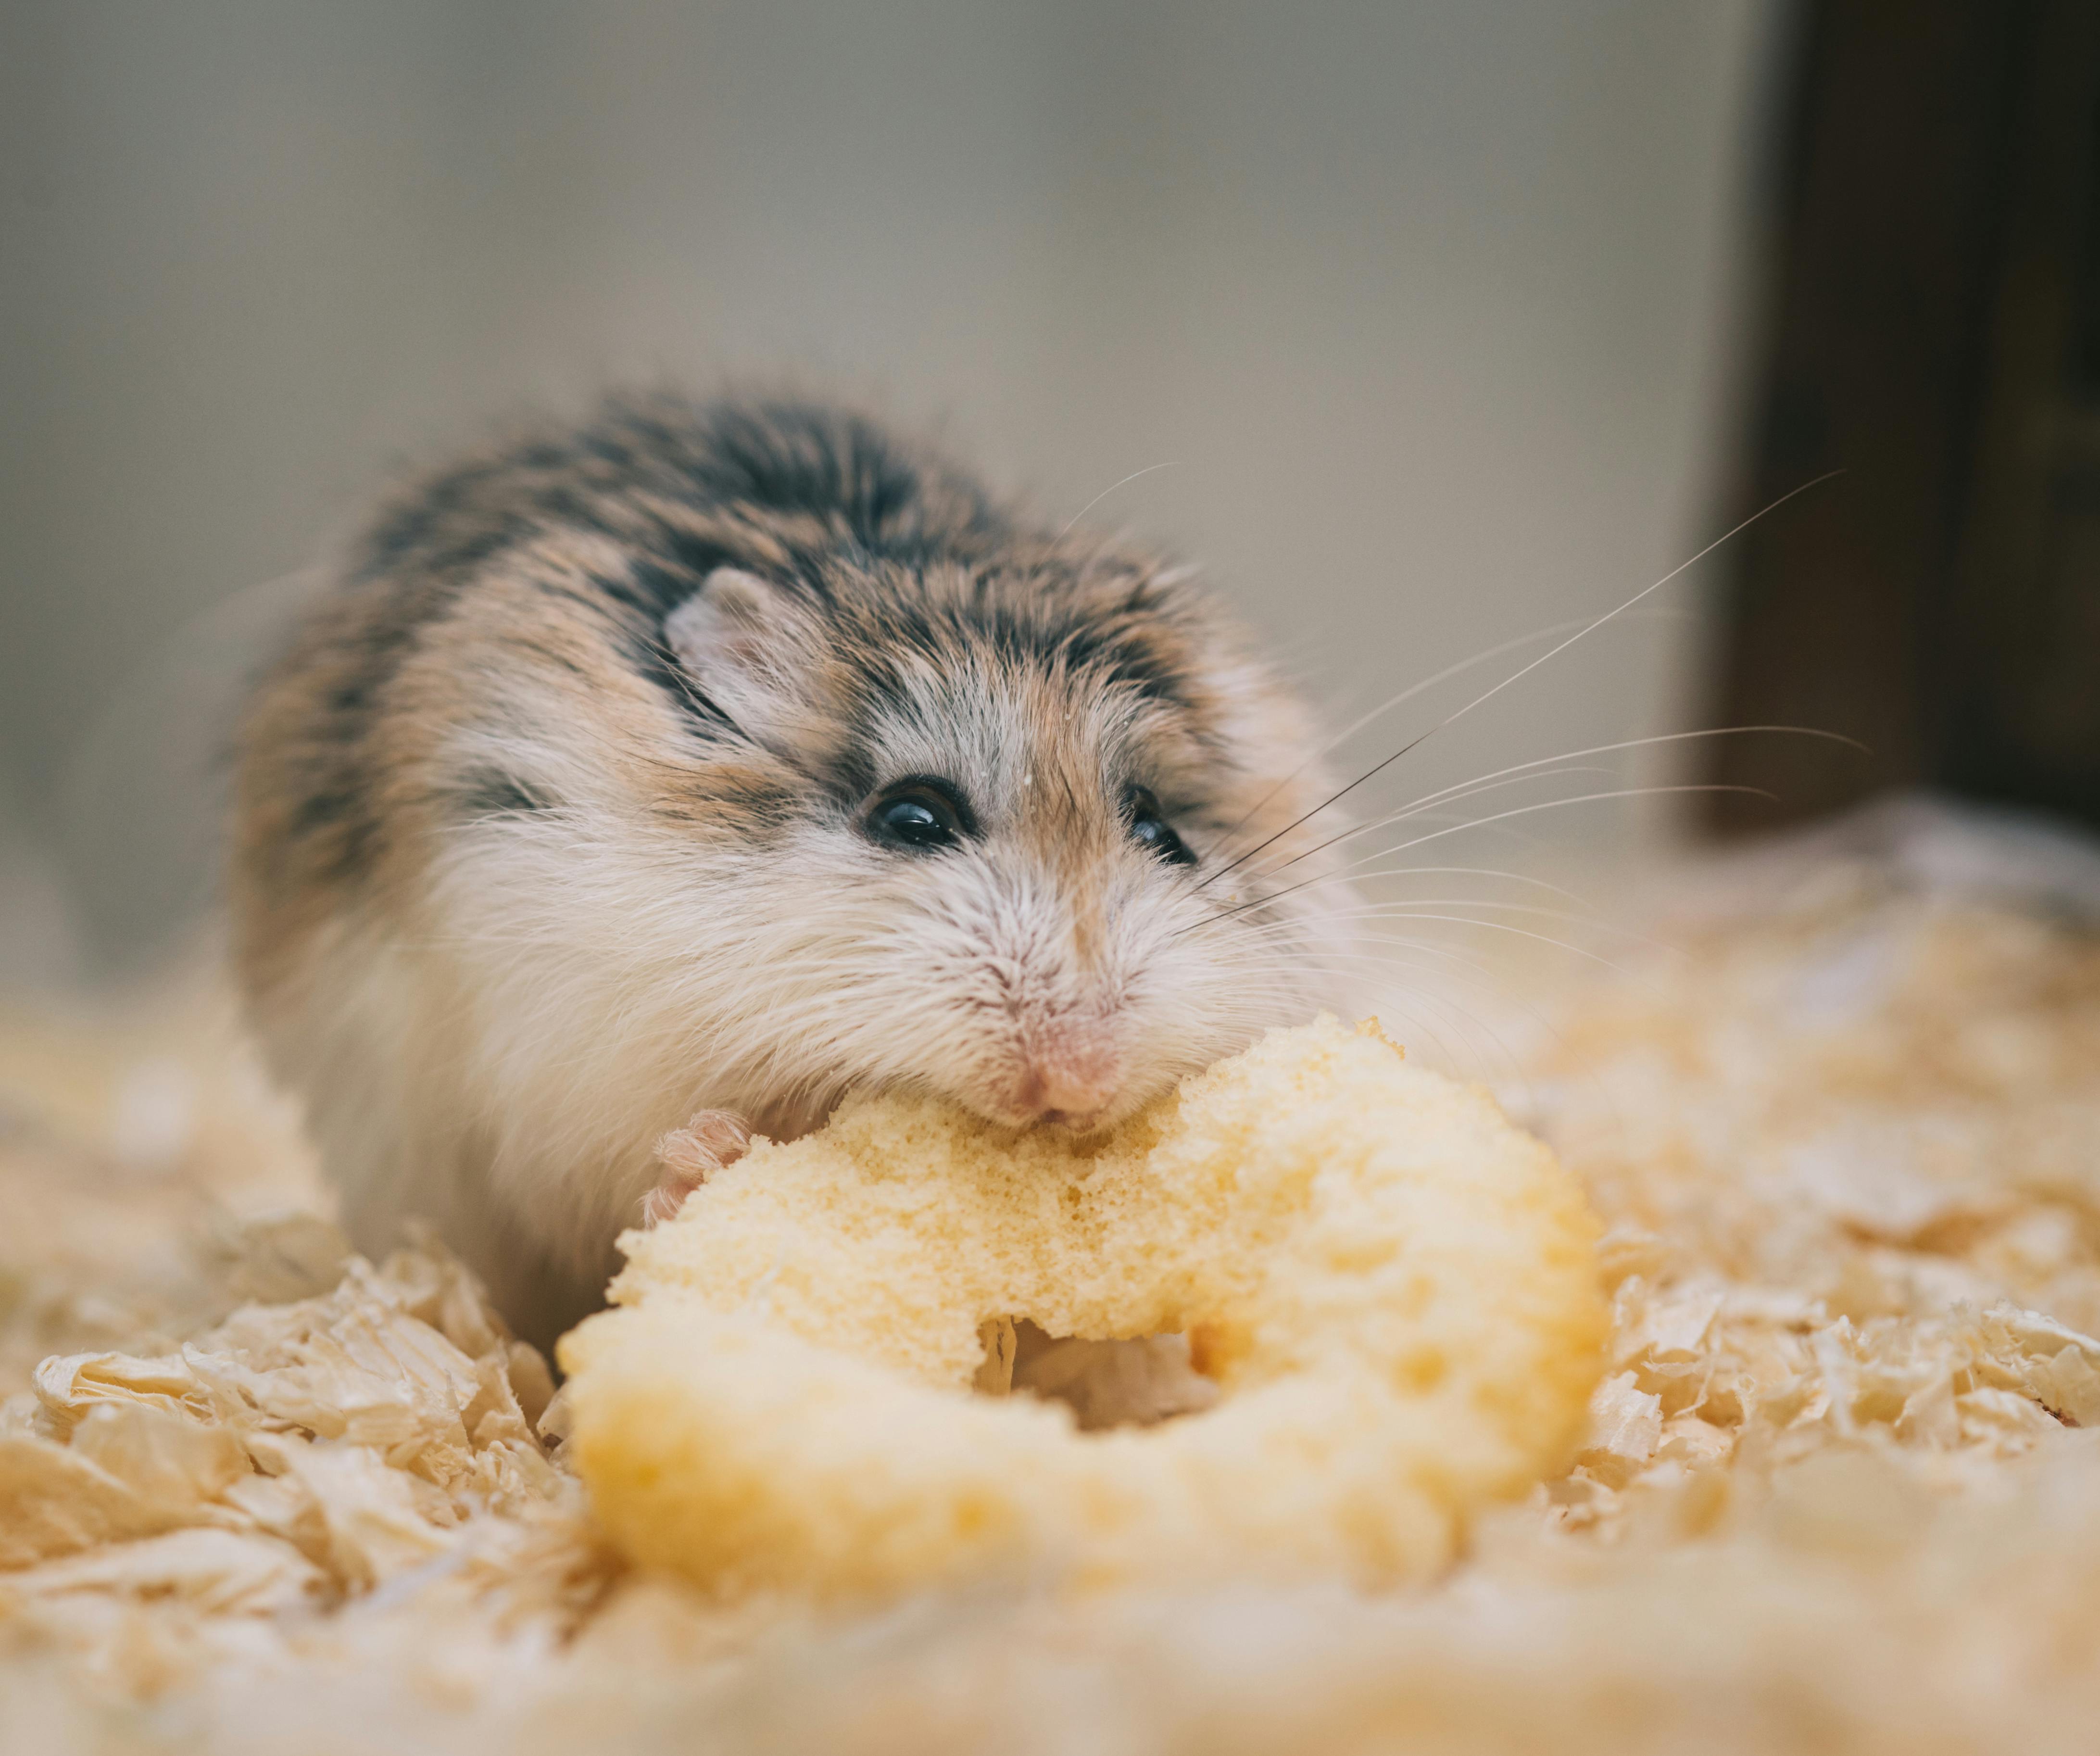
<point x="1841" y="1490"/>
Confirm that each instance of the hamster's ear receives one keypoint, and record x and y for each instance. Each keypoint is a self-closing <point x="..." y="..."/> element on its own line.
<point x="746" y="643"/>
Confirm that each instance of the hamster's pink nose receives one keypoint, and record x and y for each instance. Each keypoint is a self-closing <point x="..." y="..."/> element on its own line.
<point x="1069" y="1080"/>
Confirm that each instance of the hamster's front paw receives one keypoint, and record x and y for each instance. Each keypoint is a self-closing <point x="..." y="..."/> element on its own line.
<point x="690" y="1156"/>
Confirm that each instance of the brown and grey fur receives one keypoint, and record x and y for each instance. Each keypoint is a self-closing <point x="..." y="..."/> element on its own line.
<point x="552" y="825"/>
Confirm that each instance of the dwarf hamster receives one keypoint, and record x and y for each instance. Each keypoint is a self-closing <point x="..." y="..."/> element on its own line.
<point x="714" y="759"/>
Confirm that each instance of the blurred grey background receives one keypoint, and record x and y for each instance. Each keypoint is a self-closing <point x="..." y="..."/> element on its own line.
<point x="1433" y="309"/>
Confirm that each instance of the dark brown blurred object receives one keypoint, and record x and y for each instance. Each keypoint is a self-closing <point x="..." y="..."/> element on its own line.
<point x="1934" y="333"/>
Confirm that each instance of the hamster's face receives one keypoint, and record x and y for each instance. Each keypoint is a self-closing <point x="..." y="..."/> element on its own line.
<point x="963" y="833"/>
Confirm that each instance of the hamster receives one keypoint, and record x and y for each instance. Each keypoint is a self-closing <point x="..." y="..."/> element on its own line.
<point x="676" y="774"/>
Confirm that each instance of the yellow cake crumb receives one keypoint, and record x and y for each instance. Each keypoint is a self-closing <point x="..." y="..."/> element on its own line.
<point x="1395" y="1290"/>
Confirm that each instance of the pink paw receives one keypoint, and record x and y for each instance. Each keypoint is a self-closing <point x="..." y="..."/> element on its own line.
<point x="690" y="1156"/>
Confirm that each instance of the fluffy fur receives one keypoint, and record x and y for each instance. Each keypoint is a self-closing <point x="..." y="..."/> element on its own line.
<point x="553" y="827"/>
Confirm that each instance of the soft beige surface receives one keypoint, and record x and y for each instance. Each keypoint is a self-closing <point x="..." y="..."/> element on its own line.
<point x="1839" y="1491"/>
<point x="1396" y="1291"/>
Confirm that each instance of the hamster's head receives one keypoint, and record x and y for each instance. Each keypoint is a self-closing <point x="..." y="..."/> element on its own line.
<point x="977" y="829"/>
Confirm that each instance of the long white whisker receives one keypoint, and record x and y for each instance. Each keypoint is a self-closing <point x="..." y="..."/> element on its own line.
<point x="1477" y="823"/>
<point x="1448" y="795"/>
<point x="1071" y="523"/>
<point x="1405" y="908"/>
<point x="1388" y="705"/>
<point x="1543" y="764"/>
<point x="1525" y="671"/>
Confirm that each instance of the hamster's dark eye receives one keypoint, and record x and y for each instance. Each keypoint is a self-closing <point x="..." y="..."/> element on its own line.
<point x="1149" y="829"/>
<point x="922" y="815"/>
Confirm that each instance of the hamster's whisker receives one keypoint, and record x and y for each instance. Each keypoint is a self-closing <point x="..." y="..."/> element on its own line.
<point x="1477" y="823"/>
<point x="1481" y="871"/>
<point x="1525" y="671"/>
<point x="1590" y="922"/>
<point x="1072" y="523"/>
<point x="1455" y="965"/>
<point x="1525" y="810"/>
<point x="1448" y="795"/>
<point x="1386" y="706"/>
<point x="1498" y="926"/>
<point x="1541" y="766"/>
<point x="1371" y="911"/>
